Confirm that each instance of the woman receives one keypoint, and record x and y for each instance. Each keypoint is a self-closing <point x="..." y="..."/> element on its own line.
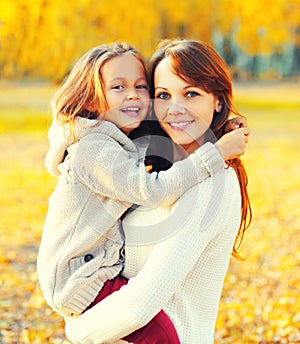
<point x="181" y="267"/>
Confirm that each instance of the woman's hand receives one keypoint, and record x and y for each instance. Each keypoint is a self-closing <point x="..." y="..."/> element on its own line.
<point x="233" y="143"/>
<point x="70" y="326"/>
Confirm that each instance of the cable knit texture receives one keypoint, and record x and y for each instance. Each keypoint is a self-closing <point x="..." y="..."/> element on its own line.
<point x="100" y="176"/>
<point x="182" y="274"/>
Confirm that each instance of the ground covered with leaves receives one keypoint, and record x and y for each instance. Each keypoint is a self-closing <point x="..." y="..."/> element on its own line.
<point x="260" y="301"/>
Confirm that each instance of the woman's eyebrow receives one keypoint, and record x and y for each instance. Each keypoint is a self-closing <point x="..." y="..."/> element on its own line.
<point x="161" y="87"/>
<point x="184" y="88"/>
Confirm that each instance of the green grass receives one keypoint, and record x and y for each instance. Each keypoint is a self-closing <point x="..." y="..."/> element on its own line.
<point x="260" y="300"/>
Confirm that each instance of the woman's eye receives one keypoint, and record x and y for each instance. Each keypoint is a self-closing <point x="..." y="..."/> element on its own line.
<point x="192" y="94"/>
<point x="162" y="95"/>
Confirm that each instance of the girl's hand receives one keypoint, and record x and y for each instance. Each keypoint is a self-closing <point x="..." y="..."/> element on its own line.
<point x="235" y="123"/>
<point x="233" y="144"/>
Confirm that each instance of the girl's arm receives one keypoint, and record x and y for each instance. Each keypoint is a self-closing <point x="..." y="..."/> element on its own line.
<point x="237" y="139"/>
<point x="167" y="267"/>
<point x="108" y="169"/>
<point x="105" y="167"/>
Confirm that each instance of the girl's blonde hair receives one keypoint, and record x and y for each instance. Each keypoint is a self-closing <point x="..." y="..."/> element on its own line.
<point x="82" y="92"/>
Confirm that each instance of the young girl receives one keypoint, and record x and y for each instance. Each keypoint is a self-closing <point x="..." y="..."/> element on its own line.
<point x="183" y="274"/>
<point x="101" y="174"/>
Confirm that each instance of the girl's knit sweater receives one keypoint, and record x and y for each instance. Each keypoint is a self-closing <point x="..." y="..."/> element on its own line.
<point x="183" y="273"/>
<point x="100" y="176"/>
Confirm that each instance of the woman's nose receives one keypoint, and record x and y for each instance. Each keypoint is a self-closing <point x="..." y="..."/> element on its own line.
<point x="176" y="109"/>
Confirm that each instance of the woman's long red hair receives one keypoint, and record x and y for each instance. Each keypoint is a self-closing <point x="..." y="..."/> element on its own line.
<point x="199" y="64"/>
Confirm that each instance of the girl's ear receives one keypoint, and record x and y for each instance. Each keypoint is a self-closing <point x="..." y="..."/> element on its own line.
<point x="91" y="107"/>
<point x="90" y="110"/>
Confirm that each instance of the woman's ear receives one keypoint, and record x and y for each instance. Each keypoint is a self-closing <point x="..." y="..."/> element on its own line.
<point x="218" y="106"/>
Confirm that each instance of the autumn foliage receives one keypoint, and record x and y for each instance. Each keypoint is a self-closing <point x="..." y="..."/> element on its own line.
<point x="42" y="38"/>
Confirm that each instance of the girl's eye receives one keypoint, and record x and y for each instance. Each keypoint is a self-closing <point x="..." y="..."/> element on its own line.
<point x="192" y="94"/>
<point x="117" y="87"/>
<point x="142" y="87"/>
<point x="162" y="95"/>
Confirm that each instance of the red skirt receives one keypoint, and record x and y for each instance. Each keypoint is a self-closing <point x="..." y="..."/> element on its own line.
<point x="160" y="330"/>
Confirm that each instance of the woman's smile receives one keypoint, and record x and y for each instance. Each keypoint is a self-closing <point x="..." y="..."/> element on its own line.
<point x="185" y="111"/>
<point x="180" y="125"/>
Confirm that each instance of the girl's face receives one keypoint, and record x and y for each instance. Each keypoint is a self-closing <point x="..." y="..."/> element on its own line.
<point x="126" y="92"/>
<point x="184" y="111"/>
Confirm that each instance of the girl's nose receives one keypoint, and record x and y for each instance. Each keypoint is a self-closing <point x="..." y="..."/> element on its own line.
<point x="132" y="95"/>
<point x="176" y="109"/>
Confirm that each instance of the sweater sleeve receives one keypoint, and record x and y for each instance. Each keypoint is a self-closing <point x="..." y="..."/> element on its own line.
<point x="165" y="270"/>
<point x="108" y="169"/>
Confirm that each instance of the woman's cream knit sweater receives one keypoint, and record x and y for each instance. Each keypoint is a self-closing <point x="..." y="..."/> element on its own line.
<point x="183" y="273"/>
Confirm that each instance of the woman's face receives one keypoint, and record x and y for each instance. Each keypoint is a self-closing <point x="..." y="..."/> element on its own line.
<point x="126" y="92"/>
<point x="184" y="111"/>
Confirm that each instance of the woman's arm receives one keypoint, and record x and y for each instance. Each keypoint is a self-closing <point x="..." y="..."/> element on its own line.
<point x="171" y="260"/>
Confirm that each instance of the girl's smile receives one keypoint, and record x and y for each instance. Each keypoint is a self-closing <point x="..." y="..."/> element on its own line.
<point x="126" y="92"/>
<point x="131" y="110"/>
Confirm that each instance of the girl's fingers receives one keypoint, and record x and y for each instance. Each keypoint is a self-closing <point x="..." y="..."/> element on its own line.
<point x="235" y="123"/>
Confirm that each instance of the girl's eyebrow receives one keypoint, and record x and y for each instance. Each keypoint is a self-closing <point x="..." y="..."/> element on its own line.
<point x="120" y="78"/>
<point x="142" y="77"/>
<point x="117" y="79"/>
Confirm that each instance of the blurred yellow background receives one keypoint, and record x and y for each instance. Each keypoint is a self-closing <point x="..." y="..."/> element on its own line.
<point x="42" y="38"/>
<point x="260" y="40"/>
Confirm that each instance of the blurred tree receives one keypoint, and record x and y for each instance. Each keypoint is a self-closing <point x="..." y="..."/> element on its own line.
<point x="42" y="38"/>
<point x="263" y="27"/>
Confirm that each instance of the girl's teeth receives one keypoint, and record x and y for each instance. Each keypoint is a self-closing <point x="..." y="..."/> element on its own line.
<point x="131" y="109"/>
